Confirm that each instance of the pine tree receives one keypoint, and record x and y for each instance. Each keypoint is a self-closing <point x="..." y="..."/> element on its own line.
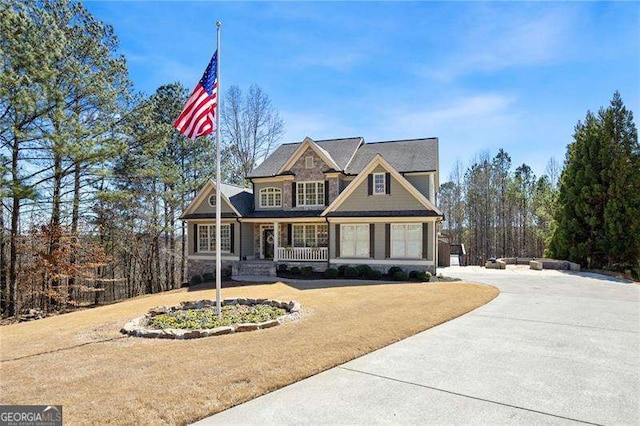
<point x="597" y="216"/>
<point x="622" y="207"/>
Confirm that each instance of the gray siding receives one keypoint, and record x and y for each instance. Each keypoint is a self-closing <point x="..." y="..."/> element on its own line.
<point x="379" y="241"/>
<point x="247" y="239"/>
<point x="430" y="235"/>
<point x="421" y="183"/>
<point x="399" y="199"/>
<point x="204" y="206"/>
<point x="332" y="240"/>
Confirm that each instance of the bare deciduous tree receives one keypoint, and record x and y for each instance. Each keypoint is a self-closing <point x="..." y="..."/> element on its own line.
<point x="251" y="127"/>
<point x="553" y="170"/>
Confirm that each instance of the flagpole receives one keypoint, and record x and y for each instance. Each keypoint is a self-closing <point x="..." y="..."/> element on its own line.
<point x="218" y="181"/>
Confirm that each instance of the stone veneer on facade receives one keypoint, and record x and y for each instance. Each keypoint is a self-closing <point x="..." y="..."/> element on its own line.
<point x="201" y="266"/>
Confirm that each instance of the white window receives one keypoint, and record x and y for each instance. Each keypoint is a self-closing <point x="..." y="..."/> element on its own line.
<point x="212" y="200"/>
<point x="309" y="235"/>
<point x="379" y="183"/>
<point x="406" y="240"/>
<point x="354" y="240"/>
<point x="308" y="162"/>
<point x="207" y="238"/>
<point x="310" y="194"/>
<point x="270" y="197"/>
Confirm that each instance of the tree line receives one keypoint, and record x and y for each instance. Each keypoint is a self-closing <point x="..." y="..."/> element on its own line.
<point x="93" y="177"/>
<point x="586" y="211"/>
<point x="496" y="210"/>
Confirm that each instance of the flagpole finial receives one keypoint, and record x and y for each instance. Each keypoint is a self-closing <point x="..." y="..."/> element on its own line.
<point x="218" y="24"/>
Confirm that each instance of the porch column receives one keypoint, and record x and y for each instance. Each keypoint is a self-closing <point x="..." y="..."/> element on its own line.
<point x="435" y="243"/>
<point x="276" y="238"/>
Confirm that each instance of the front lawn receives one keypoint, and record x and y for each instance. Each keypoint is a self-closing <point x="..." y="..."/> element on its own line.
<point x="81" y="361"/>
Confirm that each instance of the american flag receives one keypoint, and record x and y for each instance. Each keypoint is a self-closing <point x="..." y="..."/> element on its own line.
<point x="197" y="117"/>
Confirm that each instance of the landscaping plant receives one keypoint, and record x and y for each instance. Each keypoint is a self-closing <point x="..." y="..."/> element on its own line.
<point x="193" y="319"/>
<point x="351" y="272"/>
<point x="331" y="273"/>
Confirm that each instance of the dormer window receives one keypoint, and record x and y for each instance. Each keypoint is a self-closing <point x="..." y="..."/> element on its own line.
<point x="271" y="197"/>
<point x="379" y="186"/>
<point x="308" y="162"/>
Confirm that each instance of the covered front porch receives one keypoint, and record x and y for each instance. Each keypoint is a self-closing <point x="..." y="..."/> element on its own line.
<point x="291" y="241"/>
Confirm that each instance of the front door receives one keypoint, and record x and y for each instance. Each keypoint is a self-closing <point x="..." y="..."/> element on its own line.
<point x="267" y="238"/>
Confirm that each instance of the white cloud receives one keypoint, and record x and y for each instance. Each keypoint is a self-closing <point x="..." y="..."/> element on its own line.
<point x="463" y="125"/>
<point x="316" y="125"/>
<point x="497" y="40"/>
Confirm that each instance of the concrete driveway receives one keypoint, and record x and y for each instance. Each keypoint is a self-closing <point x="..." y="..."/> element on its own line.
<point x="553" y="347"/>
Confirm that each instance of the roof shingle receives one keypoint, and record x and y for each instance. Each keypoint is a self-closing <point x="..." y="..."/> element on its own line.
<point x="416" y="155"/>
<point x="340" y="150"/>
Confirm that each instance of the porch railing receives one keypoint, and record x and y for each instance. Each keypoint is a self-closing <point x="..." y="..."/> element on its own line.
<point x="303" y="254"/>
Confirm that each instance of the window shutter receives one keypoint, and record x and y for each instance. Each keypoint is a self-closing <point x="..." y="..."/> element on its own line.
<point x="293" y="194"/>
<point x="425" y="240"/>
<point x="195" y="237"/>
<point x="338" y="240"/>
<point x="372" y="240"/>
<point x="289" y="234"/>
<point x="232" y="238"/>
<point x="387" y="240"/>
<point x="326" y="192"/>
<point x="387" y="177"/>
<point x="370" y="184"/>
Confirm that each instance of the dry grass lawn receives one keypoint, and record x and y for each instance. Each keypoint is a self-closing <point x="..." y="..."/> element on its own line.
<point x="81" y="361"/>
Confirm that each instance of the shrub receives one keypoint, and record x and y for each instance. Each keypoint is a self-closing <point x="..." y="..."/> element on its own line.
<point x="424" y="276"/>
<point x="341" y="270"/>
<point x="295" y="270"/>
<point x="306" y="271"/>
<point x="331" y="273"/>
<point x="283" y="267"/>
<point x="196" y="279"/>
<point x="414" y="275"/>
<point x="392" y="271"/>
<point x="208" y="276"/>
<point x="374" y="274"/>
<point x="350" y="272"/>
<point x="363" y="270"/>
<point x="400" y="275"/>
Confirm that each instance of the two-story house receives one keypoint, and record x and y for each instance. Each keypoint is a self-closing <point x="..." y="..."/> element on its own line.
<point x="325" y="203"/>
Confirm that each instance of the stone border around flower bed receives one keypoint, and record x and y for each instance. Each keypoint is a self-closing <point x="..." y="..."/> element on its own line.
<point x="137" y="326"/>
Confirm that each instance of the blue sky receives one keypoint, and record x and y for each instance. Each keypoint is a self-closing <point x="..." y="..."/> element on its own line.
<point x="480" y="76"/>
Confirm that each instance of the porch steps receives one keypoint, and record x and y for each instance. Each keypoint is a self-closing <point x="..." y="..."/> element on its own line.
<point x="254" y="268"/>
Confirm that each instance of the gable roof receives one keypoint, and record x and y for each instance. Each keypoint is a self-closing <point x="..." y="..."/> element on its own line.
<point x="238" y="198"/>
<point x="379" y="160"/>
<point x="414" y="155"/>
<point x="308" y="143"/>
<point x="339" y="150"/>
